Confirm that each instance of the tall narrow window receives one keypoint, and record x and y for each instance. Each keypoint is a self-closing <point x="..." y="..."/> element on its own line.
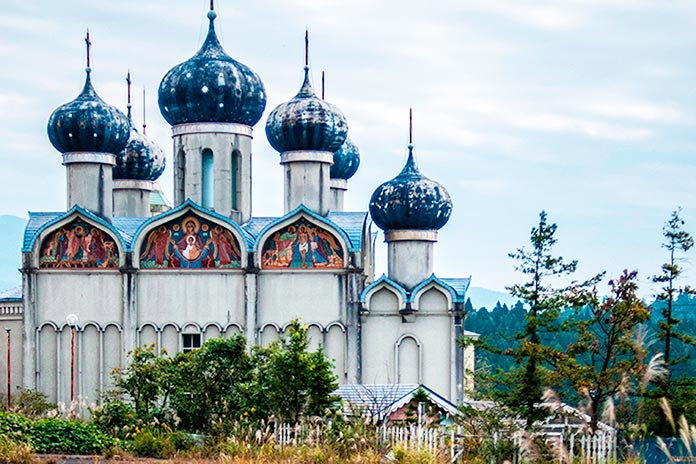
<point x="236" y="177"/>
<point x="180" y="177"/>
<point x="207" y="184"/>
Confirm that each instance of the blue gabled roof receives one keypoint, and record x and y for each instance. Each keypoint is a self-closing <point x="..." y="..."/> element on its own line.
<point x="127" y="227"/>
<point x="196" y="207"/>
<point x="256" y="225"/>
<point x="456" y="286"/>
<point x="386" y="280"/>
<point x="352" y="224"/>
<point x="38" y="222"/>
<point x="353" y="242"/>
<point x="460" y="285"/>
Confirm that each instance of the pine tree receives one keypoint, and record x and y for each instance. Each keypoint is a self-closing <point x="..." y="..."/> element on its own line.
<point x="679" y="391"/>
<point x="676" y="240"/>
<point x="521" y="387"/>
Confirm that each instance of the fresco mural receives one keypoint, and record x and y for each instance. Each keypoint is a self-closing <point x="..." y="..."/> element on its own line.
<point x="190" y="242"/>
<point x="79" y="245"/>
<point x="302" y="245"/>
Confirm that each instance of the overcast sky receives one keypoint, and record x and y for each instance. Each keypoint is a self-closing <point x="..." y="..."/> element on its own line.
<point x="583" y="108"/>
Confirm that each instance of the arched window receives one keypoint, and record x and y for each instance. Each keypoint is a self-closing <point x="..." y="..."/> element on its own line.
<point x="207" y="182"/>
<point x="180" y="176"/>
<point x="236" y="178"/>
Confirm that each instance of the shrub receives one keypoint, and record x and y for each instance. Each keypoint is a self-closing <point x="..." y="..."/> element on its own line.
<point x="32" y="404"/>
<point x="160" y="442"/>
<point x="15" y="427"/>
<point x="115" y="418"/>
<point x="68" y="436"/>
<point x="13" y="452"/>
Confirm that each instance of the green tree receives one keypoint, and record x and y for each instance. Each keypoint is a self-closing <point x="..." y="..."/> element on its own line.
<point x="604" y="358"/>
<point x="679" y="391"/>
<point x="292" y="382"/>
<point x="536" y="359"/>
<point x="143" y="382"/>
<point x="209" y="385"/>
<point x="676" y="241"/>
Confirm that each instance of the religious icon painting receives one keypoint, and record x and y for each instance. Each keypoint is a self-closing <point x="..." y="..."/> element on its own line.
<point x="190" y="242"/>
<point x="302" y="245"/>
<point x="79" y="245"/>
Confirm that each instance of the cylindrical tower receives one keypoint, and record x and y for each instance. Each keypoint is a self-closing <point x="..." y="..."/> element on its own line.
<point x="89" y="133"/>
<point x="138" y="165"/>
<point x="212" y="102"/>
<point x="345" y="164"/>
<point x="307" y="131"/>
<point x="410" y="209"/>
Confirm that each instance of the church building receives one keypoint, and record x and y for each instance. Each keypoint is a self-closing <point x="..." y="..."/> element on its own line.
<point x="109" y="275"/>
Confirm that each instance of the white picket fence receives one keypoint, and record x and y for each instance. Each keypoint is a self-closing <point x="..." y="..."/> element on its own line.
<point x="600" y="448"/>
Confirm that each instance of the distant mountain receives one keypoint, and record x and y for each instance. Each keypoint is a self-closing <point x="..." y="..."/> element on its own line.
<point x="12" y="228"/>
<point x="485" y="298"/>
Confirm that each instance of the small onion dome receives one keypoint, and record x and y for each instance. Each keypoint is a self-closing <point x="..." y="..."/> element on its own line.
<point x="410" y="201"/>
<point x="141" y="159"/>
<point x="88" y="124"/>
<point x="306" y="123"/>
<point x="345" y="161"/>
<point x="211" y="87"/>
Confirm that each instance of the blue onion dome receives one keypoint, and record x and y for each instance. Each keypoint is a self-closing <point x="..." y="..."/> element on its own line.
<point x="345" y="161"/>
<point x="212" y="87"/>
<point x="88" y="124"/>
<point x="141" y="159"/>
<point x="410" y="201"/>
<point x="306" y="123"/>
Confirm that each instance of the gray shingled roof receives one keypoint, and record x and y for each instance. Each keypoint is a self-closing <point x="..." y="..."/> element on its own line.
<point x="382" y="399"/>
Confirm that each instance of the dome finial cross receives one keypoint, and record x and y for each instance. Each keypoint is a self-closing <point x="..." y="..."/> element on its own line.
<point x="410" y="126"/>
<point x="88" y="43"/>
<point x="144" y="123"/>
<point x="128" y="84"/>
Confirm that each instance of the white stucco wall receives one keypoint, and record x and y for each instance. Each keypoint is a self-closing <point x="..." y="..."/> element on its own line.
<point x="383" y="333"/>
<point x="183" y="296"/>
<point x="316" y="296"/>
<point x="92" y="296"/>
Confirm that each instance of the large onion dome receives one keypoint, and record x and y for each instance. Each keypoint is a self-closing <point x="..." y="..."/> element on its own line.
<point x="212" y="87"/>
<point x="88" y="124"/>
<point x="141" y="159"/>
<point x="306" y="123"/>
<point x="345" y="161"/>
<point x="410" y="201"/>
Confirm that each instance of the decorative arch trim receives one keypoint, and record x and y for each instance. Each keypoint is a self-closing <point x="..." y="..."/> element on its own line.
<point x="48" y="323"/>
<point x="190" y="237"/>
<point x="78" y="239"/>
<point x="170" y="324"/>
<point x="210" y="324"/>
<point x="336" y="324"/>
<point x="148" y="324"/>
<point x="301" y="240"/>
<point x="113" y="324"/>
<point x="271" y="324"/>
<point x="419" y="345"/>
<point x="384" y="282"/>
<point x="230" y="325"/>
<point x="433" y="283"/>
